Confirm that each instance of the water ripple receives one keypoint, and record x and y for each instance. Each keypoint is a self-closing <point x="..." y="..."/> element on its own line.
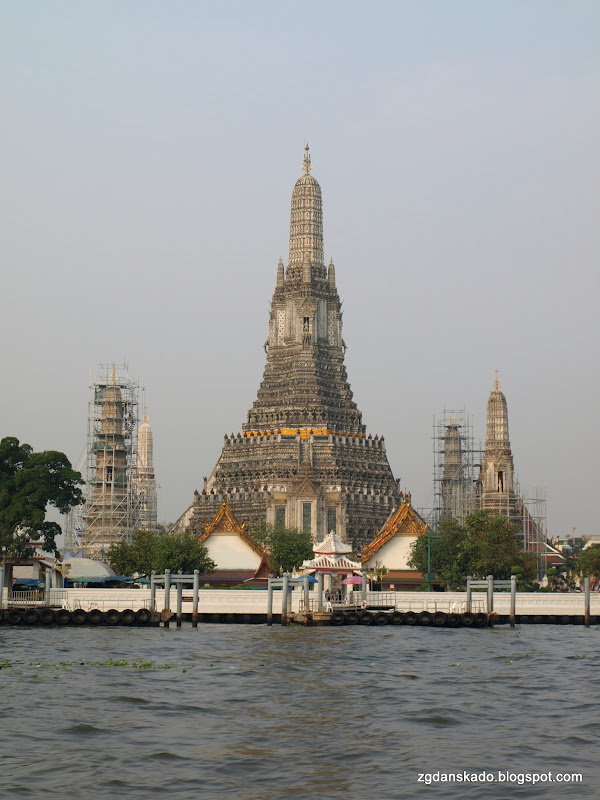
<point x="268" y="713"/>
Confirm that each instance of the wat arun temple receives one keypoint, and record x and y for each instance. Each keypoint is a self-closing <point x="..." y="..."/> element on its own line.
<point x="304" y="458"/>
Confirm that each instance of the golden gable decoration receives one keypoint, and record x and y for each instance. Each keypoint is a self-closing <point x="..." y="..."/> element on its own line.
<point x="225" y="521"/>
<point x="404" y="521"/>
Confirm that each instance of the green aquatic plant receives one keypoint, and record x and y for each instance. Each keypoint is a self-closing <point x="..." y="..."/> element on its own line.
<point x="65" y="665"/>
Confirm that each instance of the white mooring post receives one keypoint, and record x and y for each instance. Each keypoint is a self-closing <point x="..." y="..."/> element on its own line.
<point x="469" y="594"/>
<point x="269" y="600"/>
<point x="586" y="587"/>
<point x="167" y="606"/>
<point x="513" y="599"/>
<point x="490" y="594"/>
<point x="306" y="588"/>
<point x="284" y="598"/>
<point x="320" y="581"/>
<point x="153" y="591"/>
<point x="2" y="586"/>
<point x="179" y="600"/>
<point x="47" y="586"/>
<point x="195" y="598"/>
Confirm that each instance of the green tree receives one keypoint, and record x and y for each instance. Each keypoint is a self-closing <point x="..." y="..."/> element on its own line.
<point x="377" y="573"/>
<point x="287" y="547"/>
<point x="449" y="554"/>
<point x="29" y="483"/>
<point x="164" y="527"/>
<point x="148" y="551"/>
<point x="483" y="545"/>
<point x="494" y="549"/>
<point x="571" y="553"/>
<point x="138" y="556"/>
<point x="589" y="562"/>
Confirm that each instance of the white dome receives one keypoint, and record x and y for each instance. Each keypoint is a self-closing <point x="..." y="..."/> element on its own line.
<point x="78" y="569"/>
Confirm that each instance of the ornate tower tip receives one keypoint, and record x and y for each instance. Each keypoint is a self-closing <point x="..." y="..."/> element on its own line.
<point x="113" y="375"/>
<point x="496" y="381"/>
<point x="306" y="162"/>
<point x="451" y="419"/>
<point x="145" y="418"/>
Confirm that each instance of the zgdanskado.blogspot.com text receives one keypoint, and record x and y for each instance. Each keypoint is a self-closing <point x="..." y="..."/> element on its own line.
<point x="500" y="776"/>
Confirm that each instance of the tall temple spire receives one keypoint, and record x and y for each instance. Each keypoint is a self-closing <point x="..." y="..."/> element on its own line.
<point x="306" y="225"/>
<point x="497" y="421"/>
<point x="304" y="459"/>
<point x="498" y="485"/>
<point x="144" y="481"/>
<point x="306" y="319"/>
<point x="497" y="471"/>
<point x="145" y="446"/>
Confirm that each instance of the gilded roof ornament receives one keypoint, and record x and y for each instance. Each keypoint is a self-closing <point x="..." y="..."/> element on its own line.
<point x="496" y="381"/>
<point x="306" y="162"/>
<point x="451" y="419"/>
<point x="113" y="375"/>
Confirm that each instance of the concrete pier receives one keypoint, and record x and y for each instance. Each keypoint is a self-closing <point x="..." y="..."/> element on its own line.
<point x="232" y="605"/>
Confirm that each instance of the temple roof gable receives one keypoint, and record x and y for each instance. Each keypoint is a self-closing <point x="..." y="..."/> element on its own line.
<point x="225" y="522"/>
<point x="403" y="521"/>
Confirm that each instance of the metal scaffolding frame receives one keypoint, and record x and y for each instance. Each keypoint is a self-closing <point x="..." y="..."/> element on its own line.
<point x="111" y="510"/>
<point x="456" y="462"/>
<point x="532" y="512"/>
<point x="457" y="491"/>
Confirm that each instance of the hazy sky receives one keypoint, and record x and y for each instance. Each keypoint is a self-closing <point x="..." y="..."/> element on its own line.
<point x="149" y="151"/>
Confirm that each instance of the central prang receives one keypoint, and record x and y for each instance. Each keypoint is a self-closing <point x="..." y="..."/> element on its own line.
<point x="303" y="459"/>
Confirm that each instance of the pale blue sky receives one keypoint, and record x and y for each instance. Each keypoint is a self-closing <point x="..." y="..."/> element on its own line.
<point x="149" y="151"/>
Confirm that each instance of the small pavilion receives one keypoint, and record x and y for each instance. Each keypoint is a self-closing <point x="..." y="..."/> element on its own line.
<point x="333" y="562"/>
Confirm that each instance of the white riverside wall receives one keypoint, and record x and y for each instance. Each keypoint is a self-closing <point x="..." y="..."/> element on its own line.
<point x="232" y="601"/>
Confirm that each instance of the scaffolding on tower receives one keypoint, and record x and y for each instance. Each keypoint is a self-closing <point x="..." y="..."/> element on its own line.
<point x="111" y="511"/>
<point x="456" y="463"/>
<point x="532" y="520"/>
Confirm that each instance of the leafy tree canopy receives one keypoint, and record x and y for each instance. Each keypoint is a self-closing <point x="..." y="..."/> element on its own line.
<point x="29" y="482"/>
<point x="163" y="527"/>
<point x="589" y="562"/>
<point x="287" y="547"/>
<point x="483" y="545"/>
<point x="147" y="552"/>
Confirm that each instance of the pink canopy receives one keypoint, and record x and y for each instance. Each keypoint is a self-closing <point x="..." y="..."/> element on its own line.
<point x="353" y="579"/>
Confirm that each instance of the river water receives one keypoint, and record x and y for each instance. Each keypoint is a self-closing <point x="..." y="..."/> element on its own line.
<point x="242" y="711"/>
